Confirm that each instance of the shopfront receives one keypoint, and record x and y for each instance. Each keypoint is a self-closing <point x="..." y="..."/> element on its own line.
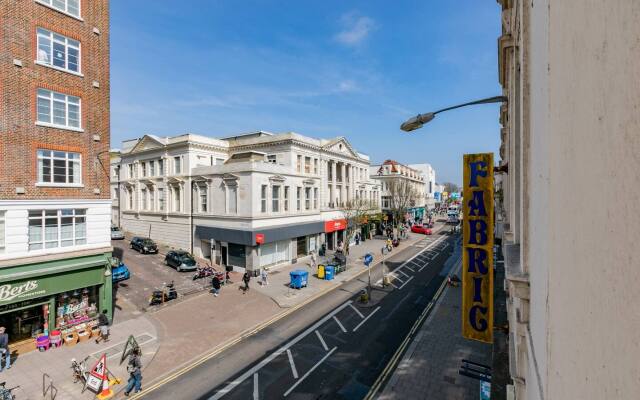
<point x="58" y="295"/>
<point x="334" y="231"/>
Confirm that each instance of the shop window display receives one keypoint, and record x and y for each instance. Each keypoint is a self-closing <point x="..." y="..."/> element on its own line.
<point x="26" y="323"/>
<point x="76" y="307"/>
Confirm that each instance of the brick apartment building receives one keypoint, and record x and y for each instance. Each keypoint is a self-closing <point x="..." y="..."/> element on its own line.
<point x="54" y="162"/>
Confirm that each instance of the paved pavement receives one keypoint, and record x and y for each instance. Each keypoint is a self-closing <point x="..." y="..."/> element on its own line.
<point x="429" y="368"/>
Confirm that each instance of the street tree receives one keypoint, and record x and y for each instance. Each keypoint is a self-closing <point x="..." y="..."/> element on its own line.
<point x="355" y="212"/>
<point x="402" y="195"/>
<point x="451" y="187"/>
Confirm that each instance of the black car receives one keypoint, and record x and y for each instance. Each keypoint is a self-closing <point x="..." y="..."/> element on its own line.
<point x="180" y="260"/>
<point x="143" y="245"/>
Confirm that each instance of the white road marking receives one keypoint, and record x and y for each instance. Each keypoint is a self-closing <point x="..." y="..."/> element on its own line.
<point x="255" y="386"/>
<point x="395" y="276"/>
<point x="423" y="267"/>
<point x="391" y="283"/>
<point x="356" y="310"/>
<point x="340" y="324"/>
<point x="293" y="365"/>
<point x="409" y="268"/>
<point x="365" y="320"/>
<point x="403" y="273"/>
<point x="405" y="282"/>
<point x="276" y="353"/>
<point x="309" y="372"/>
<point x="324" y="345"/>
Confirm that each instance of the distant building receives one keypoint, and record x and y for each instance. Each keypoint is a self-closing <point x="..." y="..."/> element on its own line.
<point x="248" y="201"/>
<point x="429" y="175"/>
<point x="390" y="172"/>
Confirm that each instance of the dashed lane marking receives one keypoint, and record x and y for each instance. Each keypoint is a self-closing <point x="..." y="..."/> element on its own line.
<point x="405" y="283"/>
<point x="365" y="320"/>
<point x="356" y="310"/>
<point x="400" y="271"/>
<point x="339" y="324"/>
<point x="309" y="372"/>
<point x="255" y="387"/>
<point x="324" y="345"/>
<point x="293" y="364"/>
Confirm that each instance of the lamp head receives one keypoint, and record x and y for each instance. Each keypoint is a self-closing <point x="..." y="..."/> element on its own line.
<point x="417" y="122"/>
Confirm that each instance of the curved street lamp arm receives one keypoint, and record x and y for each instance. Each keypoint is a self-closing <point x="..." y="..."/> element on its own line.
<point x="495" y="99"/>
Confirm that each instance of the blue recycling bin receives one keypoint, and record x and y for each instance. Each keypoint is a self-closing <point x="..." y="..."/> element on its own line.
<point x="299" y="279"/>
<point x="329" y="272"/>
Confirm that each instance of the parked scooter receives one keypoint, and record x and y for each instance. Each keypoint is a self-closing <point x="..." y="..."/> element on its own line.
<point x="203" y="272"/>
<point x="162" y="296"/>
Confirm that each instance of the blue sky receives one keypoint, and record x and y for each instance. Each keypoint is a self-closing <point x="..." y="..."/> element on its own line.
<point x="320" y="68"/>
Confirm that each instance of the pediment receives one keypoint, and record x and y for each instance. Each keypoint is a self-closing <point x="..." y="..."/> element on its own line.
<point x="276" y="178"/>
<point x="230" y="177"/>
<point x="342" y="146"/>
<point x="147" y="142"/>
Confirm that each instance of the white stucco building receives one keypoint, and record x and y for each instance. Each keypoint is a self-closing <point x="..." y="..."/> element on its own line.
<point x="570" y="70"/>
<point x="248" y="201"/>
<point x="392" y="171"/>
<point x="429" y="175"/>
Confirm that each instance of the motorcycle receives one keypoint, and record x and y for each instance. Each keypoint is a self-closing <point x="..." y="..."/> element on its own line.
<point x="162" y="296"/>
<point x="203" y="272"/>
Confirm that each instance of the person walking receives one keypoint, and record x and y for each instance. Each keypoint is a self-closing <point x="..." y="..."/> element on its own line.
<point x="4" y="349"/>
<point x="314" y="260"/>
<point x="264" y="275"/>
<point x="134" y="368"/>
<point x="103" y="325"/>
<point x="246" y="278"/>
<point x="215" y="285"/>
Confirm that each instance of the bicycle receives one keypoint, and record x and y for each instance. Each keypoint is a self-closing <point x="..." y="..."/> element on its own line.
<point x="80" y="373"/>
<point x="5" y="394"/>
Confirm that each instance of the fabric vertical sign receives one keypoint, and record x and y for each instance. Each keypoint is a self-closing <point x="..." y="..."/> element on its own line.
<point x="477" y="247"/>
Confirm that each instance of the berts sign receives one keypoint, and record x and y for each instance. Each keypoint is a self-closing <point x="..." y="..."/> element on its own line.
<point x="9" y="292"/>
<point x="335" y="225"/>
<point x="477" y="251"/>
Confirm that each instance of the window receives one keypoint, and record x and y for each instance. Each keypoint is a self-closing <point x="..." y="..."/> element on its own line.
<point x="203" y="198"/>
<point x="263" y="199"/>
<point x="176" y="199"/>
<point x="298" y="197"/>
<point x="219" y="161"/>
<point x="307" y="165"/>
<point x="58" y="51"/>
<point x="143" y="199"/>
<point x="152" y="199"/>
<point x="315" y="166"/>
<point x="232" y="199"/>
<point x="143" y="168"/>
<point x="161" y="167"/>
<point x="160" y="199"/>
<point x="130" y="196"/>
<point x="275" y="199"/>
<point x="57" y="228"/>
<point x="315" y="198"/>
<point x="2" y="241"/>
<point x="202" y="160"/>
<point x="59" y="168"/>
<point x="286" y="198"/>
<point x="272" y="158"/>
<point x="177" y="165"/>
<point x="58" y="109"/>
<point x="299" y="164"/>
<point x="71" y="7"/>
<point x="152" y="168"/>
<point x="307" y="198"/>
<point x="130" y="171"/>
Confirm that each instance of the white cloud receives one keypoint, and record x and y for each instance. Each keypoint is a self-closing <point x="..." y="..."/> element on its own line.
<point x="347" y="86"/>
<point x="355" y="29"/>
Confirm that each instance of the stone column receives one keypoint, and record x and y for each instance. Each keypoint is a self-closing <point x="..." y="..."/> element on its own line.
<point x="343" y="191"/>
<point x="333" y="182"/>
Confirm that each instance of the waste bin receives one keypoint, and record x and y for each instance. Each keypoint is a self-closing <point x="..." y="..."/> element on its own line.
<point x="298" y="279"/>
<point x="329" y="272"/>
<point x="321" y="271"/>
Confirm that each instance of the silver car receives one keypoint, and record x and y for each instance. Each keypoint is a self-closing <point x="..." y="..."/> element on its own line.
<point x="116" y="233"/>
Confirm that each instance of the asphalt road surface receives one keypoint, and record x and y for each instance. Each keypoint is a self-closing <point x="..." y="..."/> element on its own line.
<point x="332" y="348"/>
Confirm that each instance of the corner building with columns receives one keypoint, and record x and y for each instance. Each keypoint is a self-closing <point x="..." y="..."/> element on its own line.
<point x="249" y="201"/>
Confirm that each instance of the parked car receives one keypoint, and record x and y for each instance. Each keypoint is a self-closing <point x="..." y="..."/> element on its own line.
<point x="116" y="233"/>
<point x="421" y="229"/>
<point x="119" y="271"/>
<point x="143" y="245"/>
<point x="180" y="260"/>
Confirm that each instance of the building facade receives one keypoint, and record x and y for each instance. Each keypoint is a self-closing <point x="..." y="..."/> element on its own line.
<point x="429" y="175"/>
<point x="570" y="71"/>
<point x="249" y="201"/>
<point x="402" y="186"/>
<point x="54" y="183"/>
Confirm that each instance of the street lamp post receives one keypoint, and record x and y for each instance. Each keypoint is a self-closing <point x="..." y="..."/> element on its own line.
<point x="421" y="119"/>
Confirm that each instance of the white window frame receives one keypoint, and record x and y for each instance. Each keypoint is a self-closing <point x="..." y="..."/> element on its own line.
<point x="231" y="192"/>
<point x="76" y="238"/>
<point x="177" y="165"/>
<point x="299" y="198"/>
<point x="48" y="97"/>
<point x="3" y="229"/>
<point x="272" y="158"/>
<point x="130" y="171"/>
<point x="41" y="158"/>
<point x="161" y="167"/>
<point x="275" y="200"/>
<point x="287" y="194"/>
<point x="152" y="198"/>
<point x="65" y="10"/>
<point x="130" y="199"/>
<point x="203" y="196"/>
<point x="307" y="198"/>
<point x="176" y="203"/>
<point x="46" y="59"/>
<point x="315" y="198"/>
<point x="264" y="189"/>
<point x="143" y="168"/>
<point x="144" y="205"/>
<point x="152" y="168"/>
<point x="161" y="200"/>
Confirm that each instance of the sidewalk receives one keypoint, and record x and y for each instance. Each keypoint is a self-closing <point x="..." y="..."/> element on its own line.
<point x="278" y="289"/>
<point x="429" y="368"/>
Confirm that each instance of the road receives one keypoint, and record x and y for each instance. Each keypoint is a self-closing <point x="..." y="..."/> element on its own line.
<point x="332" y="348"/>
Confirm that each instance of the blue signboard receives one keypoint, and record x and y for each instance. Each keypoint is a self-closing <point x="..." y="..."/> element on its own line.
<point x="436" y="196"/>
<point x="368" y="258"/>
<point x="485" y="390"/>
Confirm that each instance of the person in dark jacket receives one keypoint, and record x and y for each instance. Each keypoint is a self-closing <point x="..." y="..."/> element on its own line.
<point x="4" y="349"/>
<point x="134" y="367"/>
<point x="246" y="278"/>
<point x="215" y="285"/>
<point x="103" y="324"/>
